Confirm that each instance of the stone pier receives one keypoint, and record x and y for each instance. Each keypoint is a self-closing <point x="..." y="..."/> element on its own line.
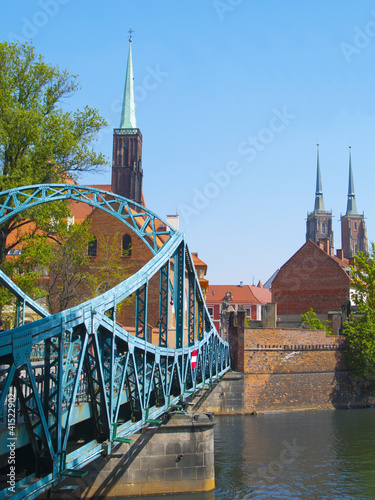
<point x="224" y="397"/>
<point x="176" y="457"/>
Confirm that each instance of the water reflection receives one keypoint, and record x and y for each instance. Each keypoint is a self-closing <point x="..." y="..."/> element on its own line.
<point x="317" y="455"/>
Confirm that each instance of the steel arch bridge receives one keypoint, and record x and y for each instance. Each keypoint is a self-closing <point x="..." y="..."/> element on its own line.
<point x="91" y="367"/>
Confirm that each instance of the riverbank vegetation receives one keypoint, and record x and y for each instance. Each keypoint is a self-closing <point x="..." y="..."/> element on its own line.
<point x="360" y="327"/>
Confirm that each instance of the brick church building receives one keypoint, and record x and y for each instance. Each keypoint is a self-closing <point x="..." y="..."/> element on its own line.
<point x="116" y="245"/>
<point x="315" y="276"/>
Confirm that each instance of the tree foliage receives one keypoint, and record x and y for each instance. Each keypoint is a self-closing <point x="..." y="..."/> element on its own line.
<point x="363" y="280"/>
<point x="360" y="345"/>
<point x="310" y="320"/>
<point x="70" y="281"/>
<point x="53" y="269"/>
<point x="360" y="328"/>
<point x="39" y="141"/>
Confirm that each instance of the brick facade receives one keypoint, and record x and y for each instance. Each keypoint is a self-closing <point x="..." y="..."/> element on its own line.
<point x="353" y="235"/>
<point x="109" y="233"/>
<point x="311" y="278"/>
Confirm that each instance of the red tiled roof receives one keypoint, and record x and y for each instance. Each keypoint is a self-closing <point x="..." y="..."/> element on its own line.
<point x="240" y="294"/>
<point x="197" y="261"/>
<point x="262" y="294"/>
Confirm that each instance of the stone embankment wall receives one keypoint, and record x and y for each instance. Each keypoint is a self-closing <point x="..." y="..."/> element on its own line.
<point x="224" y="398"/>
<point x="286" y="369"/>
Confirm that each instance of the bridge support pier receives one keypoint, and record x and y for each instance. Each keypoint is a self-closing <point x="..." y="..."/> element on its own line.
<point x="177" y="457"/>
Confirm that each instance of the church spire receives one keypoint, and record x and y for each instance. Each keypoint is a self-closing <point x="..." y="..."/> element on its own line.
<point x="351" y="208"/>
<point x="127" y="172"/>
<point x="319" y="203"/>
<point x="128" y="119"/>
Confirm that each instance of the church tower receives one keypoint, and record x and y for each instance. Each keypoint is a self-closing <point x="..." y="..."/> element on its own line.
<point x="353" y="226"/>
<point x="319" y="222"/>
<point x="127" y="173"/>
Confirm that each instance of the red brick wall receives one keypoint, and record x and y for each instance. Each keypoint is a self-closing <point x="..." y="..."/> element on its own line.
<point x="311" y="278"/>
<point x="103" y="224"/>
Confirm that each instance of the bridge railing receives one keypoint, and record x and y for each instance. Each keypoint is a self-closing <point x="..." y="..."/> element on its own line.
<point x="92" y="369"/>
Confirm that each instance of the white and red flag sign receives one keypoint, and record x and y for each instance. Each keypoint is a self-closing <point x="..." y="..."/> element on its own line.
<point x="194" y="357"/>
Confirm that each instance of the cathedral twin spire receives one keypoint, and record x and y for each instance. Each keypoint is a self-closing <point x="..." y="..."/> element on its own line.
<point x="353" y="227"/>
<point x="319" y="202"/>
<point x="351" y="206"/>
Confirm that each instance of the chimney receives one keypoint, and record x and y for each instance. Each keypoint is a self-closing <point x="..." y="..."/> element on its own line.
<point x="173" y="220"/>
<point x="241" y="284"/>
<point x="324" y="245"/>
<point x="340" y="253"/>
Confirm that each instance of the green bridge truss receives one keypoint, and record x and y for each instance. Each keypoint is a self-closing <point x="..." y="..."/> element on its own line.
<point x="88" y="365"/>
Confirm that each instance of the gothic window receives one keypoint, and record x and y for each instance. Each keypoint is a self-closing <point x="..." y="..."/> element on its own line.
<point x="126" y="246"/>
<point x="355" y="226"/>
<point x="324" y="228"/>
<point x="92" y="248"/>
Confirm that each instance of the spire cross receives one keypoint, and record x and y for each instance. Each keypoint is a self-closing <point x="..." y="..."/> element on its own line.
<point x="130" y="33"/>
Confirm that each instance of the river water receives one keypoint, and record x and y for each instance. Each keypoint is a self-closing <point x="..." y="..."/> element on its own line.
<point x="300" y="455"/>
<point x="311" y="455"/>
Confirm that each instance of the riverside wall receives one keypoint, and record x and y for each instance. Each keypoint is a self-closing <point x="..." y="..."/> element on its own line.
<point x="294" y="369"/>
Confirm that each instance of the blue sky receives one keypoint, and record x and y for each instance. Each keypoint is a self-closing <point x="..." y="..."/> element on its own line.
<point x="232" y="98"/>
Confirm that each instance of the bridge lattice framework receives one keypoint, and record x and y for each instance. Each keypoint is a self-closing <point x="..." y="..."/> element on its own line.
<point x="126" y="381"/>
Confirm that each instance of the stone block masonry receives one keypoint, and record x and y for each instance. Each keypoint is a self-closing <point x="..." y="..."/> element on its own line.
<point x="177" y="457"/>
<point x="226" y="397"/>
<point x="297" y="369"/>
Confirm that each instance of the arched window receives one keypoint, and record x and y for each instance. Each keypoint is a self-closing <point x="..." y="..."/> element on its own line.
<point x="355" y="226"/>
<point x="324" y="228"/>
<point x="91" y="251"/>
<point x="126" y="245"/>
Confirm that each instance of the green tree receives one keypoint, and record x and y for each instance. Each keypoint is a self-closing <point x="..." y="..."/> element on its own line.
<point x="310" y="320"/>
<point x="70" y="280"/>
<point x="39" y="141"/>
<point x="362" y="274"/>
<point x="53" y="269"/>
<point x="360" y="328"/>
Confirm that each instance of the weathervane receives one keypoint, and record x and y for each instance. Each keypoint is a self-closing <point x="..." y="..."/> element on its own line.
<point x="130" y="33"/>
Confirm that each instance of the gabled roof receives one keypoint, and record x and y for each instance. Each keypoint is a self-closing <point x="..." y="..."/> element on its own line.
<point x="343" y="263"/>
<point x="245" y="294"/>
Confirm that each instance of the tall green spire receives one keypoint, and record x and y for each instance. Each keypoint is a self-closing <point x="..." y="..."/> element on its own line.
<point x="128" y="119"/>
<point x="352" y="205"/>
<point x="319" y="203"/>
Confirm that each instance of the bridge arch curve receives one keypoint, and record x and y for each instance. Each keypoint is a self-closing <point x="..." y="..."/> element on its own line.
<point x="118" y="378"/>
<point x="141" y="220"/>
